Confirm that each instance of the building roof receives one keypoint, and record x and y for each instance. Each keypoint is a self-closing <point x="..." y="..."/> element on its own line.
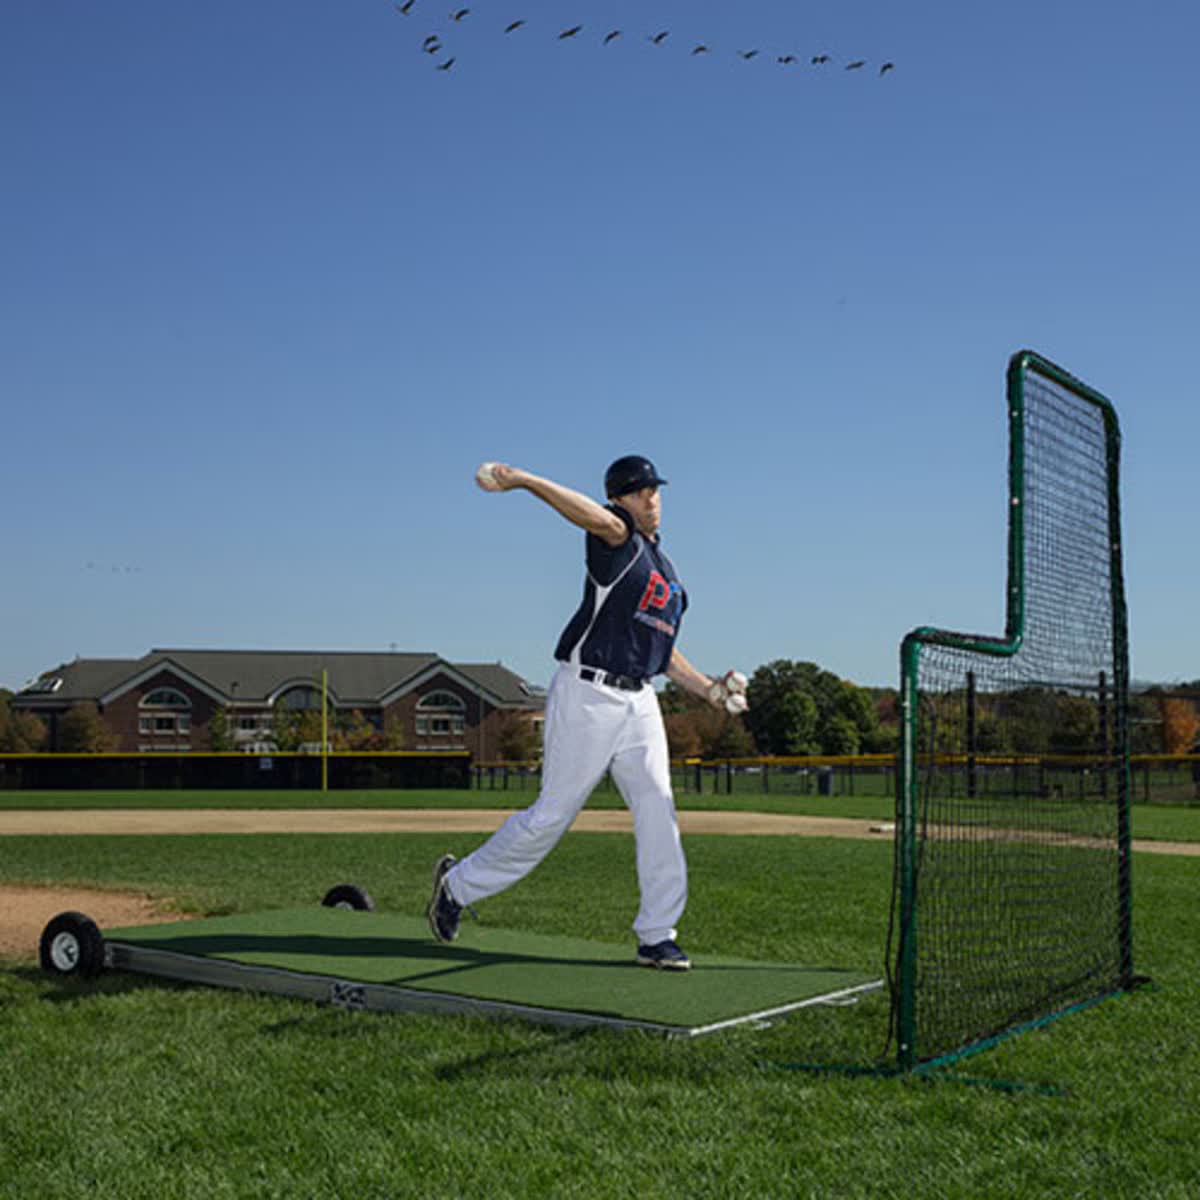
<point x="257" y="676"/>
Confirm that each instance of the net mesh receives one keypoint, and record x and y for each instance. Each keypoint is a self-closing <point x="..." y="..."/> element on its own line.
<point x="1016" y="904"/>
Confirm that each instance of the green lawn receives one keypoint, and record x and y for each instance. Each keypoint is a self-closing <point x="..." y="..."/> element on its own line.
<point x="132" y="1088"/>
<point x="1169" y="822"/>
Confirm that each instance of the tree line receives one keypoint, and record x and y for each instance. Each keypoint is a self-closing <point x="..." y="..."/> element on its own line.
<point x="796" y="709"/>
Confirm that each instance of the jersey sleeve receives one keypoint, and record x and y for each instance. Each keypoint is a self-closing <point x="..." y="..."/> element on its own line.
<point x="605" y="562"/>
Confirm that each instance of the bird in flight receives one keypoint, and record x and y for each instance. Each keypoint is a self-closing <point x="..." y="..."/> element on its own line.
<point x="433" y="43"/>
<point x="406" y="7"/>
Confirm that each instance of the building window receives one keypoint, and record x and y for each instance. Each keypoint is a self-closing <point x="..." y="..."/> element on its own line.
<point x="301" y="699"/>
<point x="165" y="712"/>
<point x="441" y="714"/>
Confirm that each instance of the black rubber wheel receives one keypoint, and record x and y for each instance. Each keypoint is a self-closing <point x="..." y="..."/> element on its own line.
<point x="349" y="895"/>
<point x="72" y="944"/>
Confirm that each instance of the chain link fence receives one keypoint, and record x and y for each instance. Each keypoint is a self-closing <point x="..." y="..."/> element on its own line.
<point x="867" y="775"/>
<point x="1155" y="778"/>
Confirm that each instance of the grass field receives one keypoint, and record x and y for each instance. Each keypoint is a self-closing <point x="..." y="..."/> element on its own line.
<point x="134" y="1088"/>
<point x="1165" y="822"/>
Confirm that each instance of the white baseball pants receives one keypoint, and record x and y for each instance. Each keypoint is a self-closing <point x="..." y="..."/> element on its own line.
<point x="592" y="728"/>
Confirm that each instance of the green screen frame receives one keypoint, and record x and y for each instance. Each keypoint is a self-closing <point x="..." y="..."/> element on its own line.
<point x="1020" y="366"/>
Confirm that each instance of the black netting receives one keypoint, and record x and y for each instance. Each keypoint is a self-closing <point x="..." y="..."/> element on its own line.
<point x="1017" y="902"/>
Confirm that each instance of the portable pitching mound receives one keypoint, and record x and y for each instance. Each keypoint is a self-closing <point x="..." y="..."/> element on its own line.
<point x="345" y="954"/>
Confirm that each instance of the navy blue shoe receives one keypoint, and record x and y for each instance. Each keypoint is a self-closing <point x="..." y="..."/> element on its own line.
<point x="665" y="956"/>
<point x="444" y="912"/>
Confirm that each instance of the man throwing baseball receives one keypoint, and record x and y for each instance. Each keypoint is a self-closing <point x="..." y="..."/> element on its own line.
<point x="602" y="714"/>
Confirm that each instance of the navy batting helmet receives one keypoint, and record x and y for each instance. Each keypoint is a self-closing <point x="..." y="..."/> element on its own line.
<point x="630" y="474"/>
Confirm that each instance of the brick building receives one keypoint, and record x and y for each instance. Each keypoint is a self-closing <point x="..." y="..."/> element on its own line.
<point x="167" y="699"/>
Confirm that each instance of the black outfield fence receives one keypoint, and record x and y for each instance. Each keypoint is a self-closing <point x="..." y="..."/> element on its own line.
<point x="233" y="771"/>
<point x="863" y="775"/>
<point x="1155" y="778"/>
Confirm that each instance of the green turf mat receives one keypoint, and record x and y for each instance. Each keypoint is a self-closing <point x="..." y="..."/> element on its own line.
<point x="500" y="965"/>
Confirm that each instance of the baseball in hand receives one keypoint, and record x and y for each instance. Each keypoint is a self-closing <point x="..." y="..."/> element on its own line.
<point x="734" y="681"/>
<point x="730" y="691"/>
<point x="486" y="477"/>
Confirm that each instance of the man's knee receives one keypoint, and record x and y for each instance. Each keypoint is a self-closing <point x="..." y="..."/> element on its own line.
<point x="544" y="822"/>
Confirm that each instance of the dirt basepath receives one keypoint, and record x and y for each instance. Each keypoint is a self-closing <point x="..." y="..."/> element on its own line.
<point x="402" y="820"/>
<point x="24" y="912"/>
<point x="441" y="820"/>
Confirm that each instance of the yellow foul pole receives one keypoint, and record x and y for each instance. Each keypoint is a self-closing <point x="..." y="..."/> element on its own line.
<point x="324" y="730"/>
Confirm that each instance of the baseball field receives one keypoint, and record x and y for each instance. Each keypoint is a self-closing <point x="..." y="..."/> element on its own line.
<point x="132" y="1087"/>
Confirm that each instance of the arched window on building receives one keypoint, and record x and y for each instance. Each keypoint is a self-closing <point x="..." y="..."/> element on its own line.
<point x="165" y="712"/>
<point x="302" y="698"/>
<point x="442" y="715"/>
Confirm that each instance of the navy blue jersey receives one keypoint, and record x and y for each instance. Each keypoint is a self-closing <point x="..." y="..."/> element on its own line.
<point x="632" y="605"/>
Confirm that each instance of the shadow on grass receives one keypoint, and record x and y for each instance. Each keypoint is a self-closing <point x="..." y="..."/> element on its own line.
<point x="505" y="1060"/>
<point x="68" y="989"/>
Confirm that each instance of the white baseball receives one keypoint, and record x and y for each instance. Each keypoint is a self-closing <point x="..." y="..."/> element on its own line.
<point x="486" y="477"/>
<point x="736" y="702"/>
<point x="735" y="681"/>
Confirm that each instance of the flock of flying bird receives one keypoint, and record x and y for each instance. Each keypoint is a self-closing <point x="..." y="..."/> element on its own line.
<point x="433" y="44"/>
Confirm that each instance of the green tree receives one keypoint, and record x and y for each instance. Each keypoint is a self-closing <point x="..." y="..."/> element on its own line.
<point x="220" y="731"/>
<point x="20" y="732"/>
<point x="1076" y="727"/>
<point x="517" y="740"/>
<point x="840" y="735"/>
<point x="392" y="736"/>
<point x="83" y="731"/>
<point x="698" y="729"/>
<point x="798" y="708"/>
<point x="1028" y="714"/>
<point x="351" y="731"/>
<point x="285" y="729"/>
<point x="1145" y="724"/>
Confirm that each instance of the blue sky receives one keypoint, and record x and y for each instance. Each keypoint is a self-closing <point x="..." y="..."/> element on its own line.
<point x="272" y="285"/>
